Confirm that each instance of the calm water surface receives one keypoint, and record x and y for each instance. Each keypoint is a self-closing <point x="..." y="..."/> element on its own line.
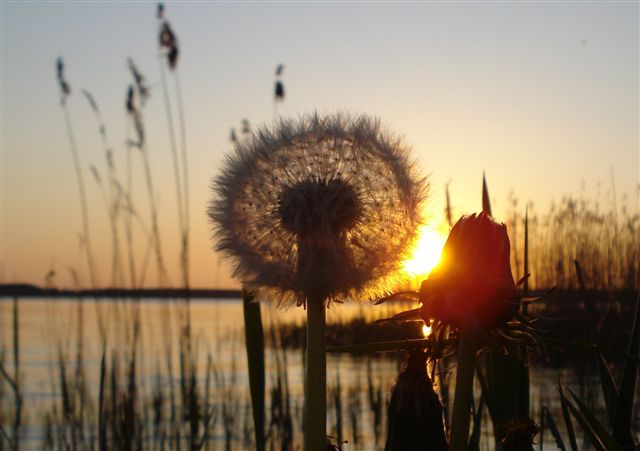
<point x="51" y="329"/>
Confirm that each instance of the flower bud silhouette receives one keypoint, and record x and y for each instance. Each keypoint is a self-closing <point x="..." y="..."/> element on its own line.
<point x="415" y="420"/>
<point x="473" y="285"/>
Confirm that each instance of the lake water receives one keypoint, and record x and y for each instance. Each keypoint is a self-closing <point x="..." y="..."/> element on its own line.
<point x="51" y="329"/>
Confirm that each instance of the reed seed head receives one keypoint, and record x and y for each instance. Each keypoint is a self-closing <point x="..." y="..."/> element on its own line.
<point x="65" y="89"/>
<point x="169" y="42"/>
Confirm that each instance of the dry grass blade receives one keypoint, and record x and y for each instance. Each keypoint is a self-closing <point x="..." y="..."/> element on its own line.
<point x="596" y="432"/>
<point x="609" y="389"/>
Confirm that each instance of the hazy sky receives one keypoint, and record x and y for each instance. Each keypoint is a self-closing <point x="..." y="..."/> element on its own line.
<point x="542" y="96"/>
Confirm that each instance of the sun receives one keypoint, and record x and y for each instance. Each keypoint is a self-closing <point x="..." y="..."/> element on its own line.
<point x="426" y="253"/>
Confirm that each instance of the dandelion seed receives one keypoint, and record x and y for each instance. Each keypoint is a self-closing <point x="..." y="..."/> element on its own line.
<point x="291" y="225"/>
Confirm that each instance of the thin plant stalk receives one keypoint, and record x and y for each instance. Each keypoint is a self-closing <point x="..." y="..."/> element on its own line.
<point x="525" y="286"/>
<point x="136" y="117"/>
<point x="155" y="229"/>
<point x="112" y="203"/>
<point x="315" y="387"/>
<point x="180" y="184"/>
<point x="83" y="197"/>
<point x="185" y="180"/>
<point x="468" y="346"/>
<point x="128" y="216"/>
<point x="17" y="421"/>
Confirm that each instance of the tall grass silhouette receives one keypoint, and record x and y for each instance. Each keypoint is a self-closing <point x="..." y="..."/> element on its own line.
<point x="168" y="50"/>
<point x="111" y="197"/>
<point x="65" y="92"/>
<point x="134" y="110"/>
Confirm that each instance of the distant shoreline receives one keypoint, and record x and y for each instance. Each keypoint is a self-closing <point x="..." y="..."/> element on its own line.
<point x="26" y="290"/>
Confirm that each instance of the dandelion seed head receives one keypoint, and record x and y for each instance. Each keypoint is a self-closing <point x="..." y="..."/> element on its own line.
<point x="310" y="206"/>
<point x="325" y="205"/>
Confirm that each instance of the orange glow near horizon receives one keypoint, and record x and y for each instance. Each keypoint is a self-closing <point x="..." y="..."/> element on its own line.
<point x="426" y="253"/>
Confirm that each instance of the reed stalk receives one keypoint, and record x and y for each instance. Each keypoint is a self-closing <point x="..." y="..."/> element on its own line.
<point x="17" y="392"/>
<point x="112" y="199"/>
<point x="83" y="196"/>
<point x="155" y="228"/>
<point x="180" y="164"/>
<point x="185" y="182"/>
<point x="128" y="216"/>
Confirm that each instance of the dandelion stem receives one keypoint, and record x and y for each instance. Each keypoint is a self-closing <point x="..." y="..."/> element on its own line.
<point x="316" y="378"/>
<point x="467" y="348"/>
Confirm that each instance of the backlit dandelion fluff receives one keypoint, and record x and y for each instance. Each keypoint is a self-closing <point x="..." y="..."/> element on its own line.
<point x="317" y="209"/>
<point x="322" y="207"/>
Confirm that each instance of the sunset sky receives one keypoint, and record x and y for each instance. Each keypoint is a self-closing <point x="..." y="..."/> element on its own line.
<point x="542" y="96"/>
